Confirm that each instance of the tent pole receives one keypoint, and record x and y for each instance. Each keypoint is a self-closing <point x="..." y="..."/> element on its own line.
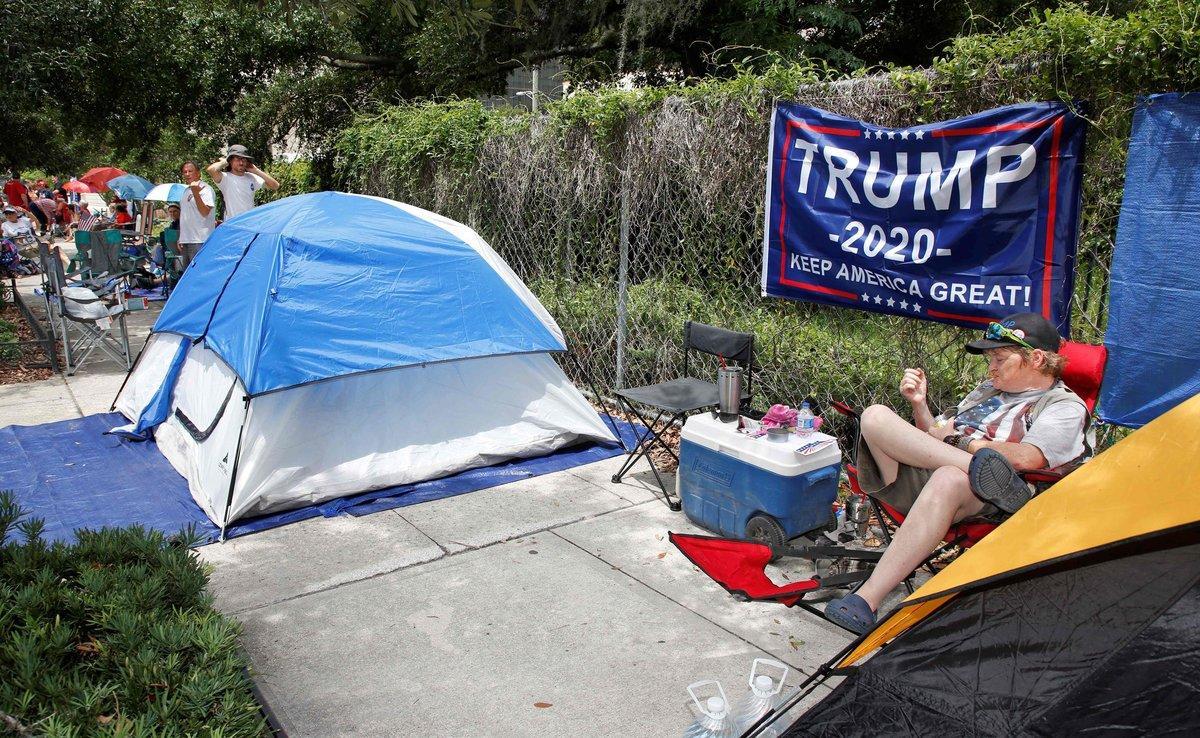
<point x="817" y="678"/>
<point x="129" y="373"/>
<point x="237" y="456"/>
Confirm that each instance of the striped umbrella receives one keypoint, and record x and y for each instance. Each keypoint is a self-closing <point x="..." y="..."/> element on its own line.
<point x="170" y="192"/>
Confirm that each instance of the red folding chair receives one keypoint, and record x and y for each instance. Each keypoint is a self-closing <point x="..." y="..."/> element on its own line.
<point x="739" y="566"/>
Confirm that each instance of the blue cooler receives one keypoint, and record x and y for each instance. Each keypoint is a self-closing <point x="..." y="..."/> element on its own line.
<point x="744" y="487"/>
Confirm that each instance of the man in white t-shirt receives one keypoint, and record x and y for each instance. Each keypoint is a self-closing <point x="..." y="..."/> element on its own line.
<point x="197" y="214"/>
<point x="15" y="224"/>
<point x="238" y="179"/>
<point x="964" y="464"/>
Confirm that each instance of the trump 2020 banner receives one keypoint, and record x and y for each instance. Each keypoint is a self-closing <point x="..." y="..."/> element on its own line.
<point x="960" y="222"/>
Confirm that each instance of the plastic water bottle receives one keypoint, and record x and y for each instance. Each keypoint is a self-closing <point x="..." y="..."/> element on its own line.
<point x="715" y="719"/>
<point x="805" y="422"/>
<point x="765" y="695"/>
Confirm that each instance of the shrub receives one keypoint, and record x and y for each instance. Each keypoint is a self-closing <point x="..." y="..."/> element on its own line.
<point x="115" y="634"/>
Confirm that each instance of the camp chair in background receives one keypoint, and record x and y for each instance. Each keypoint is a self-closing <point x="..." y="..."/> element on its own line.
<point x="172" y="262"/>
<point x="677" y="398"/>
<point x="739" y="566"/>
<point x="81" y="262"/>
<point x="83" y="314"/>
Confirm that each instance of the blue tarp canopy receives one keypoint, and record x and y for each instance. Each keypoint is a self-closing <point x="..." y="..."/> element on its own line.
<point x="1152" y="337"/>
<point x="328" y="284"/>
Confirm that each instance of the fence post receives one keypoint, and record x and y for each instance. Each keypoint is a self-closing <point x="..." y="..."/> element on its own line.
<point x="623" y="279"/>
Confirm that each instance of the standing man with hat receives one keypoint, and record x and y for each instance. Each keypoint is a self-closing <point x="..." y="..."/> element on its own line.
<point x="964" y="463"/>
<point x="238" y="178"/>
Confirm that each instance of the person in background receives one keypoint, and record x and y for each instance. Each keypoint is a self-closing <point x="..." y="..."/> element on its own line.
<point x="47" y="208"/>
<point x="197" y="214"/>
<point x="87" y="220"/>
<point x="173" y="213"/>
<point x="15" y="224"/>
<point x="238" y="179"/>
<point x="18" y="197"/>
<point x="120" y="214"/>
<point x="62" y="214"/>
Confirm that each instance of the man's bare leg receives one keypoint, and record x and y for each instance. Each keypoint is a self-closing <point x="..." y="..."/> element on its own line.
<point x="893" y="441"/>
<point x="945" y="499"/>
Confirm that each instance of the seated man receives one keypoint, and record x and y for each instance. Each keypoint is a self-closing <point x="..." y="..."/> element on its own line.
<point x="964" y="464"/>
<point x="16" y="224"/>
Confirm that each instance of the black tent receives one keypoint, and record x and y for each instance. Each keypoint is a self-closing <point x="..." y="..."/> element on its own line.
<point x="1104" y="646"/>
<point x="1079" y="615"/>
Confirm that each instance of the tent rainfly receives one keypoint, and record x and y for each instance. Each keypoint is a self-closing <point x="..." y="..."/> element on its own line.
<point x="1079" y="616"/>
<point x="328" y="344"/>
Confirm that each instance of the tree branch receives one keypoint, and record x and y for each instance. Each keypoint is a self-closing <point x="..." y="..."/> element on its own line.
<point x="358" y="61"/>
<point x="606" y="43"/>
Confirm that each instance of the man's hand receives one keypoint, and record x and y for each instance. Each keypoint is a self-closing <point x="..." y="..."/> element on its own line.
<point x="913" y="386"/>
<point x="940" y="432"/>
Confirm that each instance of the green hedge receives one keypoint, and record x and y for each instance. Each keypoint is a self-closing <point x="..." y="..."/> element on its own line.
<point x="115" y="635"/>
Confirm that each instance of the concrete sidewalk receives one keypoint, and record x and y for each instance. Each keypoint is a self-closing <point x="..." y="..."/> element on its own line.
<point x="550" y="606"/>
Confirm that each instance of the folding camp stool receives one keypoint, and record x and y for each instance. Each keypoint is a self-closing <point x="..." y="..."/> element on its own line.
<point x="678" y="398"/>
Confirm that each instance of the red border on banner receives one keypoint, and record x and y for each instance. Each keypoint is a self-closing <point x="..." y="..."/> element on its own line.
<point x="1048" y="269"/>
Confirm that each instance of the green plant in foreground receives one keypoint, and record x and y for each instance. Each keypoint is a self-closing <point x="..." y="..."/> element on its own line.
<point x="10" y="349"/>
<point x="115" y="635"/>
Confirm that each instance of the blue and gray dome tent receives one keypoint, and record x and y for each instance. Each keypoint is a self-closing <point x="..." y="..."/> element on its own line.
<point x="329" y="344"/>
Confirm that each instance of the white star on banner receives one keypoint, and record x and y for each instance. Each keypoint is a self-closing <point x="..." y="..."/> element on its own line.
<point x="904" y="135"/>
<point x="878" y="299"/>
<point x="904" y="304"/>
<point x="916" y="308"/>
<point x="890" y="302"/>
<point x="866" y="297"/>
<point x="918" y="135"/>
<point x="891" y="135"/>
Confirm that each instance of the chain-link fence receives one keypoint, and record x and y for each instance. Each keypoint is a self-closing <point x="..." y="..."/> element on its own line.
<point x="623" y="245"/>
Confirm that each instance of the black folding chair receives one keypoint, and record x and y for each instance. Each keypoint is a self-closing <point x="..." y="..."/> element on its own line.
<point x="678" y="398"/>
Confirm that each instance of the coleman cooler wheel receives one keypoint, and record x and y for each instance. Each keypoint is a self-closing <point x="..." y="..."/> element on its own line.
<point x="766" y="529"/>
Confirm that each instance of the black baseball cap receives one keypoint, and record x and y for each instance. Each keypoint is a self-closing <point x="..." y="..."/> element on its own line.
<point x="1031" y="328"/>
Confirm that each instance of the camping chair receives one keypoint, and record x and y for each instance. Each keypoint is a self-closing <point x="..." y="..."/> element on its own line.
<point x="678" y="398"/>
<point x="172" y="264"/>
<point x="738" y="566"/>
<point x="81" y="262"/>
<point x="83" y="314"/>
<point x="1083" y="373"/>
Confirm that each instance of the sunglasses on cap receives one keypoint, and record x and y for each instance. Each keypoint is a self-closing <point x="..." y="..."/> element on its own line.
<point x="997" y="332"/>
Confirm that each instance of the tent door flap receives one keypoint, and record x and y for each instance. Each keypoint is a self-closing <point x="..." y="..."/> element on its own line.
<point x="198" y="435"/>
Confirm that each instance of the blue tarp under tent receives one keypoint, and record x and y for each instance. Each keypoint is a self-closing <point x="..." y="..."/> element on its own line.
<point x="329" y="344"/>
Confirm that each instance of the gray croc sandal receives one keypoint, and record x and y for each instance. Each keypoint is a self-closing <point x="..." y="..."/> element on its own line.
<point x="993" y="479"/>
<point x="852" y="613"/>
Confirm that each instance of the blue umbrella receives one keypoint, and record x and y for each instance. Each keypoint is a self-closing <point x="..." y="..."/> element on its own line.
<point x="130" y="186"/>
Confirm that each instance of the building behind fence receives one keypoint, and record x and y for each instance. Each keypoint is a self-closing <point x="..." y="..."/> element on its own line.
<point x="624" y="238"/>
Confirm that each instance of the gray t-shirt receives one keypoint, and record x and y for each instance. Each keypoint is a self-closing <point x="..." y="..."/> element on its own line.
<point x="1058" y="431"/>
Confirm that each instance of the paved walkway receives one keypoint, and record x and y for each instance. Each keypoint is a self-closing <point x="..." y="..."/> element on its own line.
<point x="551" y="606"/>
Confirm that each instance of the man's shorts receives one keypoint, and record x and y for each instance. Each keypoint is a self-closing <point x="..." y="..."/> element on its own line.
<point x="910" y="480"/>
